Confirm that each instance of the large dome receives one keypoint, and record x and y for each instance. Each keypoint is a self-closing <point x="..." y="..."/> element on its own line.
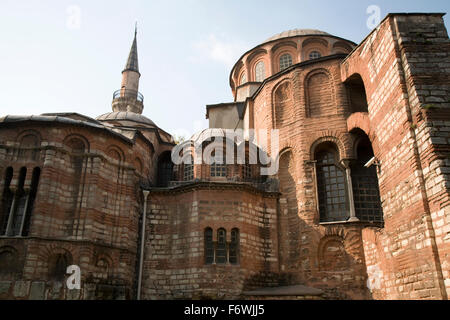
<point x="297" y="32"/>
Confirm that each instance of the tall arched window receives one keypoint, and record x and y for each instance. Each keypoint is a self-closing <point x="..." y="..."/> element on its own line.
<point x="28" y="145"/>
<point x="31" y="199"/>
<point x="209" y="246"/>
<point x="7" y="201"/>
<point x="285" y="61"/>
<point x="233" y="256"/>
<point x="18" y="211"/>
<point x="188" y="170"/>
<point x="314" y="55"/>
<point x="17" y="207"/>
<point x="331" y="186"/>
<point x="366" y="192"/>
<point x="165" y="170"/>
<point x="221" y="251"/>
<point x="247" y="172"/>
<point x="8" y="261"/>
<point x="243" y="79"/>
<point x="58" y="266"/>
<point x="260" y="72"/>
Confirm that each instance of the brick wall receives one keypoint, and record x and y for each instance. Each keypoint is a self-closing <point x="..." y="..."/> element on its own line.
<point x="404" y="66"/>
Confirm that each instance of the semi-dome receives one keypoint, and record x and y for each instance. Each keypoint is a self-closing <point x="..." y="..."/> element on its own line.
<point x="297" y="32"/>
<point x="126" y="116"/>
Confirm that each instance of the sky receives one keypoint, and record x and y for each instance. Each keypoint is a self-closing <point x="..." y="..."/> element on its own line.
<point x="67" y="56"/>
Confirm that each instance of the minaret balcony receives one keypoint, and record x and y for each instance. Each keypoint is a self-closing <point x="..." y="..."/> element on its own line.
<point x="126" y="100"/>
<point x="128" y="94"/>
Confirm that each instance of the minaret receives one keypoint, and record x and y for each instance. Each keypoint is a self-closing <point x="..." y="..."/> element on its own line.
<point x="128" y="98"/>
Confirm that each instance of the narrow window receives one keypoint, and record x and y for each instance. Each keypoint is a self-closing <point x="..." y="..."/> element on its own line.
<point x="332" y="190"/>
<point x="366" y="192"/>
<point x="285" y="61"/>
<point x="221" y="249"/>
<point x="7" y="201"/>
<point x="188" y="172"/>
<point x="31" y="199"/>
<point x="58" y="266"/>
<point x="18" y="207"/>
<point x="234" y="247"/>
<point x="165" y="170"/>
<point x="260" y="72"/>
<point x="247" y="172"/>
<point x="209" y="246"/>
<point x="243" y="79"/>
<point x="314" y="55"/>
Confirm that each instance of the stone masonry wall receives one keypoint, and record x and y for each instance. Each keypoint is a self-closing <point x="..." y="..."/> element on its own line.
<point x="175" y="260"/>
<point x="86" y="210"/>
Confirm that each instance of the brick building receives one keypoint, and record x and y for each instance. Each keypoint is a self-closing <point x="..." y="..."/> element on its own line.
<point x="358" y="208"/>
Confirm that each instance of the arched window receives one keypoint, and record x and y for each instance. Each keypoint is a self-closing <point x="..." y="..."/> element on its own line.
<point x="209" y="246"/>
<point x="18" y="207"/>
<point x="247" y="171"/>
<point x="285" y="61"/>
<point x="243" y="79"/>
<point x="331" y="187"/>
<point x="234" y="247"/>
<point x="103" y="268"/>
<point x="260" y="72"/>
<point x="356" y="93"/>
<point x="7" y="201"/>
<point x="165" y="170"/>
<point x="221" y="249"/>
<point x="314" y="55"/>
<point x="31" y="199"/>
<point x="188" y="171"/>
<point x="28" y="145"/>
<point x="8" y="261"/>
<point x="366" y="192"/>
<point x="58" y="266"/>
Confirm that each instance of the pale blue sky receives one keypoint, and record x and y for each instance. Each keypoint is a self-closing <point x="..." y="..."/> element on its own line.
<point x="52" y="62"/>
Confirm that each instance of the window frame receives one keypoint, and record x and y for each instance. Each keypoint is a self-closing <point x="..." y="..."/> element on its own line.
<point x="314" y="52"/>
<point x="260" y="72"/>
<point x="280" y="62"/>
<point x="329" y="216"/>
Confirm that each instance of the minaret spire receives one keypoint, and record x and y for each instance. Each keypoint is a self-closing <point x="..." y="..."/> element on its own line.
<point x="132" y="62"/>
<point x="128" y="98"/>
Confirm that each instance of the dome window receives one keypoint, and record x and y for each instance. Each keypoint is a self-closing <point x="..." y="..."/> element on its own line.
<point x="314" y="55"/>
<point x="260" y="72"/>
<point x="243" y="79"/>
<point x="285" y="61"/>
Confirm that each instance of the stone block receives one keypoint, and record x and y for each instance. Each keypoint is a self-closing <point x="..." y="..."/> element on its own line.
<point x="21" y="289"/>
<point x="4" y="286"/>
<point x="37" y="291"/>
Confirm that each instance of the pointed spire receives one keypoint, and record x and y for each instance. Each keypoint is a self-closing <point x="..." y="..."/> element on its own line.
<point x="132" y="62"/>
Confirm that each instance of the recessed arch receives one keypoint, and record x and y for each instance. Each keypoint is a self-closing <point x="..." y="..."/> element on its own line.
<point x="319" y="93"/>
<point x="57" y="264"/>
<point x="282" y="97"/>
<point x="333" y="255"/>
<point x="9" y="261"/>
<point x="77" y="143"/>
<point x="341" y="47"/>
<point x="330" y="140"/>
<point x="115" y="153"/>
<point x="356" y="93"/>
<point x="257" y="54"/>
